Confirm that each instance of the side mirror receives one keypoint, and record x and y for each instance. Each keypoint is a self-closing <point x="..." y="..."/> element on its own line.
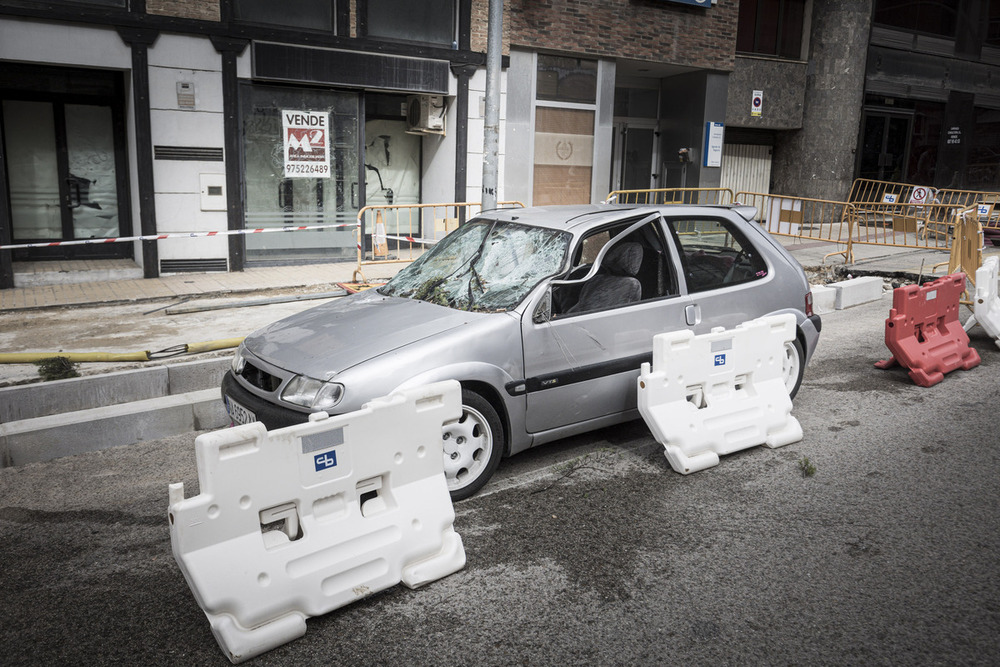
<point x="543" y="311"/>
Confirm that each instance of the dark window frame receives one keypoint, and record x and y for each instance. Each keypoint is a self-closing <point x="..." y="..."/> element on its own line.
<point x="458" y="34"/>
<point x="909" y="17"/>
<point x="332" y="29"/>
<point x="758" y="26"/>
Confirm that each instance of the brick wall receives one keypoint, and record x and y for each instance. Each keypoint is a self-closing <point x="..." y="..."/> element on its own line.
<point x="650" y="30"/>
<point x="206" y="10"/>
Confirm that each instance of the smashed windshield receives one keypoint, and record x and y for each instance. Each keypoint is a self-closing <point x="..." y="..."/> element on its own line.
<point x="484" y="265"/>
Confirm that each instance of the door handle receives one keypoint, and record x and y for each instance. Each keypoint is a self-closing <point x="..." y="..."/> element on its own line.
<point x="692" y="315"/>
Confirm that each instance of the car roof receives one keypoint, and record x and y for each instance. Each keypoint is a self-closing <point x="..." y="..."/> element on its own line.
<point x="576" y="218"/>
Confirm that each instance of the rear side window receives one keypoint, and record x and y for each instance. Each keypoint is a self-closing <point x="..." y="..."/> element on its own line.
<point x="714" y="254"/>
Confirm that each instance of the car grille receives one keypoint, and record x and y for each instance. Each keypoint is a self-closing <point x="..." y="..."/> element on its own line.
<point x="260" y="379"/>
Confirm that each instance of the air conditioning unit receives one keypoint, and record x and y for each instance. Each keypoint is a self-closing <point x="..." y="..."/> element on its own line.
<point x="425" y="114"/>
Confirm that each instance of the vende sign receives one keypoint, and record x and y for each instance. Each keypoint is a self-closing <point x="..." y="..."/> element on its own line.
<point x="307" y="143"/>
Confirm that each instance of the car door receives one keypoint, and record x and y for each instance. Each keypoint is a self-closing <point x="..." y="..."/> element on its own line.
<point x="581" y="362"/>
<point x="725" y="273"/>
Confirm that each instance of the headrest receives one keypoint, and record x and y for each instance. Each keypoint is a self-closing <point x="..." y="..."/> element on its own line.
<point x="624" y="259"/>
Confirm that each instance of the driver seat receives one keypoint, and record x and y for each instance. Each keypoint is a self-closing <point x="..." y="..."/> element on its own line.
<point x="615" y="283"/>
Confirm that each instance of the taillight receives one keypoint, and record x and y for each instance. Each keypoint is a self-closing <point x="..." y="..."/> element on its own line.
<point x="809" y="303"/>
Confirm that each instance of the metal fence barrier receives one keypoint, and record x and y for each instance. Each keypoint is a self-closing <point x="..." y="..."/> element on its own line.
<point x="693" y="196"/>
<point x="804" y="218"/>
<point x="399" y="233"/>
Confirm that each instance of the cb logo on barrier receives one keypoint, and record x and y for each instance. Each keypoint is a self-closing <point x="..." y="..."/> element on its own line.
<point x="326" y="460"/>
<point x="720" y="360"/>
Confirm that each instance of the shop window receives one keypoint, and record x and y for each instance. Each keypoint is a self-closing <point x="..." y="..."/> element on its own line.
<point x="564" y="132"/>
<point x="308" y="14"/>
<point x="931" y="17"/>
<point x="564" y="156"/>
<point x="771" y="27"/>
<point x="392" y="164"/>
<point x="428" y="21"/>
<point x="301" y="168"/>
<point x="566" y="79"/>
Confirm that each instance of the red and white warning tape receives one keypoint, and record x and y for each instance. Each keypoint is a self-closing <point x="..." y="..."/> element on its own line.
<point x="187" y="235"/>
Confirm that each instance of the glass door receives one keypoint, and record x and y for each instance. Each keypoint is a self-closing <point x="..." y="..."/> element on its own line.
<point x="634" y="157"/>
<point x="63" y="172"/>
<point x="885" y="143"/>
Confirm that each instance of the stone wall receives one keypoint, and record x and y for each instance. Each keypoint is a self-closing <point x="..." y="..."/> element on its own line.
<point x="818" y="160"/>
<point x="649" y="30"/>
<point x="206" y="10"/>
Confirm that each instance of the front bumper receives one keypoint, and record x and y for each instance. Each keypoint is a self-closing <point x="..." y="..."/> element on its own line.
<point x="271" y="415"/>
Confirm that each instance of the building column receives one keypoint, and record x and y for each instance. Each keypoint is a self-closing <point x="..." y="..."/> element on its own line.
<point x="463" y="73"/>
<point x="140" y="39"/>
<point x="230" y="50"/>
<point x="818" y="160"/>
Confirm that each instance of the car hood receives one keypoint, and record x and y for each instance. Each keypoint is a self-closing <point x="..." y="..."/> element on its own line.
<point x="324" y="341"/>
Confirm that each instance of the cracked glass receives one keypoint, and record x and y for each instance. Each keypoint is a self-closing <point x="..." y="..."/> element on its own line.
<point x="484" y="265"/>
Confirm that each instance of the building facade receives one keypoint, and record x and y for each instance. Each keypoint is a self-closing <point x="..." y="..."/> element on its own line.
<point x="126" y="118"/>
<point x="876" y="89"/>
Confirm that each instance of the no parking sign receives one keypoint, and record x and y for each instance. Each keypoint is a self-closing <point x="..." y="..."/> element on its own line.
<point x="919" y="195"/>
<point x="757" y="105"/>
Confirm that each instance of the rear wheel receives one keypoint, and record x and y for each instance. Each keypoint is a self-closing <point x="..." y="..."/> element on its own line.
<point x="793" y="366"/>
<point x="472" y="446"/>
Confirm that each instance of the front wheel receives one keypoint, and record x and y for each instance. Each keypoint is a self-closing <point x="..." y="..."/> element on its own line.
<point x="472" y="446"/>
<point x="793" y="366"/>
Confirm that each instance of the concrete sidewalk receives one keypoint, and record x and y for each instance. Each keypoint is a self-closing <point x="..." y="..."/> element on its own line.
<point x="69" y="292"/>
<point x="868" y="260"/>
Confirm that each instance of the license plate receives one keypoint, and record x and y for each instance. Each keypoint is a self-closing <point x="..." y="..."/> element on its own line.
<point x="239" y="414"/>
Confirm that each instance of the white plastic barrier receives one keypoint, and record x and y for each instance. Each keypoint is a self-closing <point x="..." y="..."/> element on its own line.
<point x="986" y="305"/>
<point x="299" y="521"/>
<point x="719" y="392"/>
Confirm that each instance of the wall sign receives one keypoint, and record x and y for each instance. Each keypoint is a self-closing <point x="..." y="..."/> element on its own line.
<point x="307" y="143"/>
<point x="714" y="134"/>
<point x="696" y="3"/>
<point x="757" y="103"/>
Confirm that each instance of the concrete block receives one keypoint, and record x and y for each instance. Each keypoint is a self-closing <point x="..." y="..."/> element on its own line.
<point x="197" y="375"/>
<point x="211" y="414"/>
<point x="53" y="436"/>
<point x="857" y="291"/>
<point x="824" y="299"/>
<point x="92" y="391"/>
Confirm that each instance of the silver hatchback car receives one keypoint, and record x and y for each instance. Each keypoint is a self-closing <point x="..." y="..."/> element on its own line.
<point x="544" y="315"/>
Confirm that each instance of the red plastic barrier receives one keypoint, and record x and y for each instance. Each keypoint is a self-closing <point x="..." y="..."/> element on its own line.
<point x="924" y="334"/>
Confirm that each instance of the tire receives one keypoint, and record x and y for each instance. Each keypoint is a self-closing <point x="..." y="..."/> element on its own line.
<point x="472" y="446"/>
<point x="793" y="366"/>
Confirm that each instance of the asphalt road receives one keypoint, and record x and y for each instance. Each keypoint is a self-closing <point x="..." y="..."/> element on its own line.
<point x="591" y="551"/>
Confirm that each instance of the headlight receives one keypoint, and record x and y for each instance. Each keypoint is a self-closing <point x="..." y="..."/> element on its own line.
<point x="238" y="361"/>
<point x="310" y="393"/>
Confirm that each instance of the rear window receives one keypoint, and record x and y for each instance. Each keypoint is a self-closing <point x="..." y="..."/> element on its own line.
<point x="715" y="255"/>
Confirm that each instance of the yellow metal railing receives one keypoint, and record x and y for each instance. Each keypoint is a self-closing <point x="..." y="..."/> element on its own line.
<point x="400" y="233"/>
<point x="804" y="218"/>
<point x="694" y="196"/>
